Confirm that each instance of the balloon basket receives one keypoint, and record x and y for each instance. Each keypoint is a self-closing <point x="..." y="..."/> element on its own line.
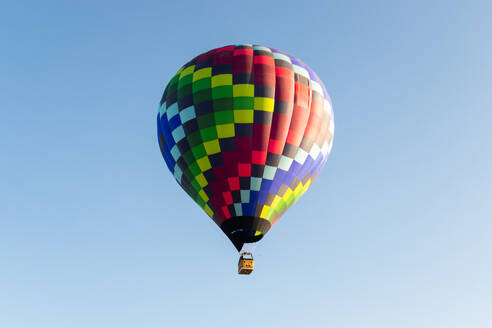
<point x="246" y="263"/>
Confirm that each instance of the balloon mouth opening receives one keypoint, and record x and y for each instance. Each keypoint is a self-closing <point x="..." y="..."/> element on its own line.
<point x="245" y="229"/>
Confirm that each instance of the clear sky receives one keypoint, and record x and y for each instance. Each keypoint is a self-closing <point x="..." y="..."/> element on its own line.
<point x="395" y="232"/>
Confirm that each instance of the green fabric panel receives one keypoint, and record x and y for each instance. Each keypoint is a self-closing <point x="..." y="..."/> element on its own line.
<point x="223" y="104"/>
<point x="202" y="96"/>
<point x="196" y="187"/>
<point x="199" y="151"/>
<point x="244" y="102"/>
<point x="224" y="117"/>
<point x="188" y="157"/>
<point x="224" y="91"/>
<point x="184" y="91"/>
<point x="205" y="121"/>
<point x="194" y="139"/>
<point x="195" y="169"/>
<point x="188" y="79"/>
<point x="203" y="84"/>
<point x="209" y="133"/>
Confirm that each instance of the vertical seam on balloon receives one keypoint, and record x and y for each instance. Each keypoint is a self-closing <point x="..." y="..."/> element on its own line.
<point x="269" y="133"/>
<point x="271" y="189"/>
<point x="250" y="150"/>
<point x="194" y="63"/>
<point x="253" y="199"/>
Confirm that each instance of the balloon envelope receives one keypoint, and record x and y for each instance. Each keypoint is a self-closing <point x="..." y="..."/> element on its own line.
<point x="245" y="129"/>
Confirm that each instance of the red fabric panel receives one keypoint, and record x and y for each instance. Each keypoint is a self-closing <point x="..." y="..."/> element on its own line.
<point x="261" y="133"/>
<point x="227" y="197"/>
<point x="264" y="74"/>
<point x="223" y="58"/>
<point x="227" y="214"/>
<point x="227" y="48"/>
<point x="280" y="126"/>
<point x="315" y="118"/>
<point x="276" y="146"/>
<point x="284" y="89"/>
<point x="259" y="157"/>
<point x="302" y="94"/>
<point x="239" y="52"/>
<point x="244" y="169"/>
<point x="264" y="60"/>
<point x="243" y="149"/>
<point x="300" y="116"/>
<point x="284" y="72"/>
<point x="233" y="183"/>
<point x="242" y="64"/>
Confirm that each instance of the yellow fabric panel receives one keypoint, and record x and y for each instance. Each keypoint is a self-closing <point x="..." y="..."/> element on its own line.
<point x="221" y="79"/>
<point x="225" y="130"/>
<point x="306" y="186"/>
<point x="287" y="194"/>
<point x="208" y="211"/>
<point x="265" y="104"/>
<point x="204" y="164"/>
<point x="298" y="189"/>
<point x="243" y="90"/>
<point x="201" y="180"/>
<point x="187" y="71"/>
<point x="212" y="147"/>
<point x="264" y="211"/>
<point x="202" y="73"/>
<point x="243" y="116"/>
<point x="275" y="202"/>
<point x="203" y="195"/>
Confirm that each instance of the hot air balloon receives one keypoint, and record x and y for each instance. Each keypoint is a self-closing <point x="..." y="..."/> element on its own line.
<point x="245" y="129"/>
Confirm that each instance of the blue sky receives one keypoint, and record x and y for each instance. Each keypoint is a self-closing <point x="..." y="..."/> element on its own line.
<point x="396" y="231"/>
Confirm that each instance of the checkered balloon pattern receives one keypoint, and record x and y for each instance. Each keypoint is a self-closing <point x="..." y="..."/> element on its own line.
<point x="245" y="129"/>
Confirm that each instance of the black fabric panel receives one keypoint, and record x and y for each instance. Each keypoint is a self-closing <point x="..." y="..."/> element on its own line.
<point x="209" y="176"/>
<point x="243" y="78"/>
<point x="272" y="159"/>
<point x="283" y="107"/>
<point x="301" y="79"/>
<point x="241" y="229"/>
<point x="236" y="196"/>
<point x="262" y="53"/>
<point x="290" y="150"/>
<point x="243" y="129"/>
<point x="216" y="160"/>
<point x="257" y="170"/>
<point x="203" y="64"/>
<point x="208" y="191"/>
<point x="244" y="183"/>
<point x="243" y="46"/>
<point x="186" y="101"/>
<point x="227" y="144"/>
<point x="222" y="69"/>
<point x="283" y="63"/>
<point x="183" y="146"/>
<point x="264" y="91"/>
<point x="204" y="108"/>
<point x="262" y="117"/>
<point x="190" y="126"/>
